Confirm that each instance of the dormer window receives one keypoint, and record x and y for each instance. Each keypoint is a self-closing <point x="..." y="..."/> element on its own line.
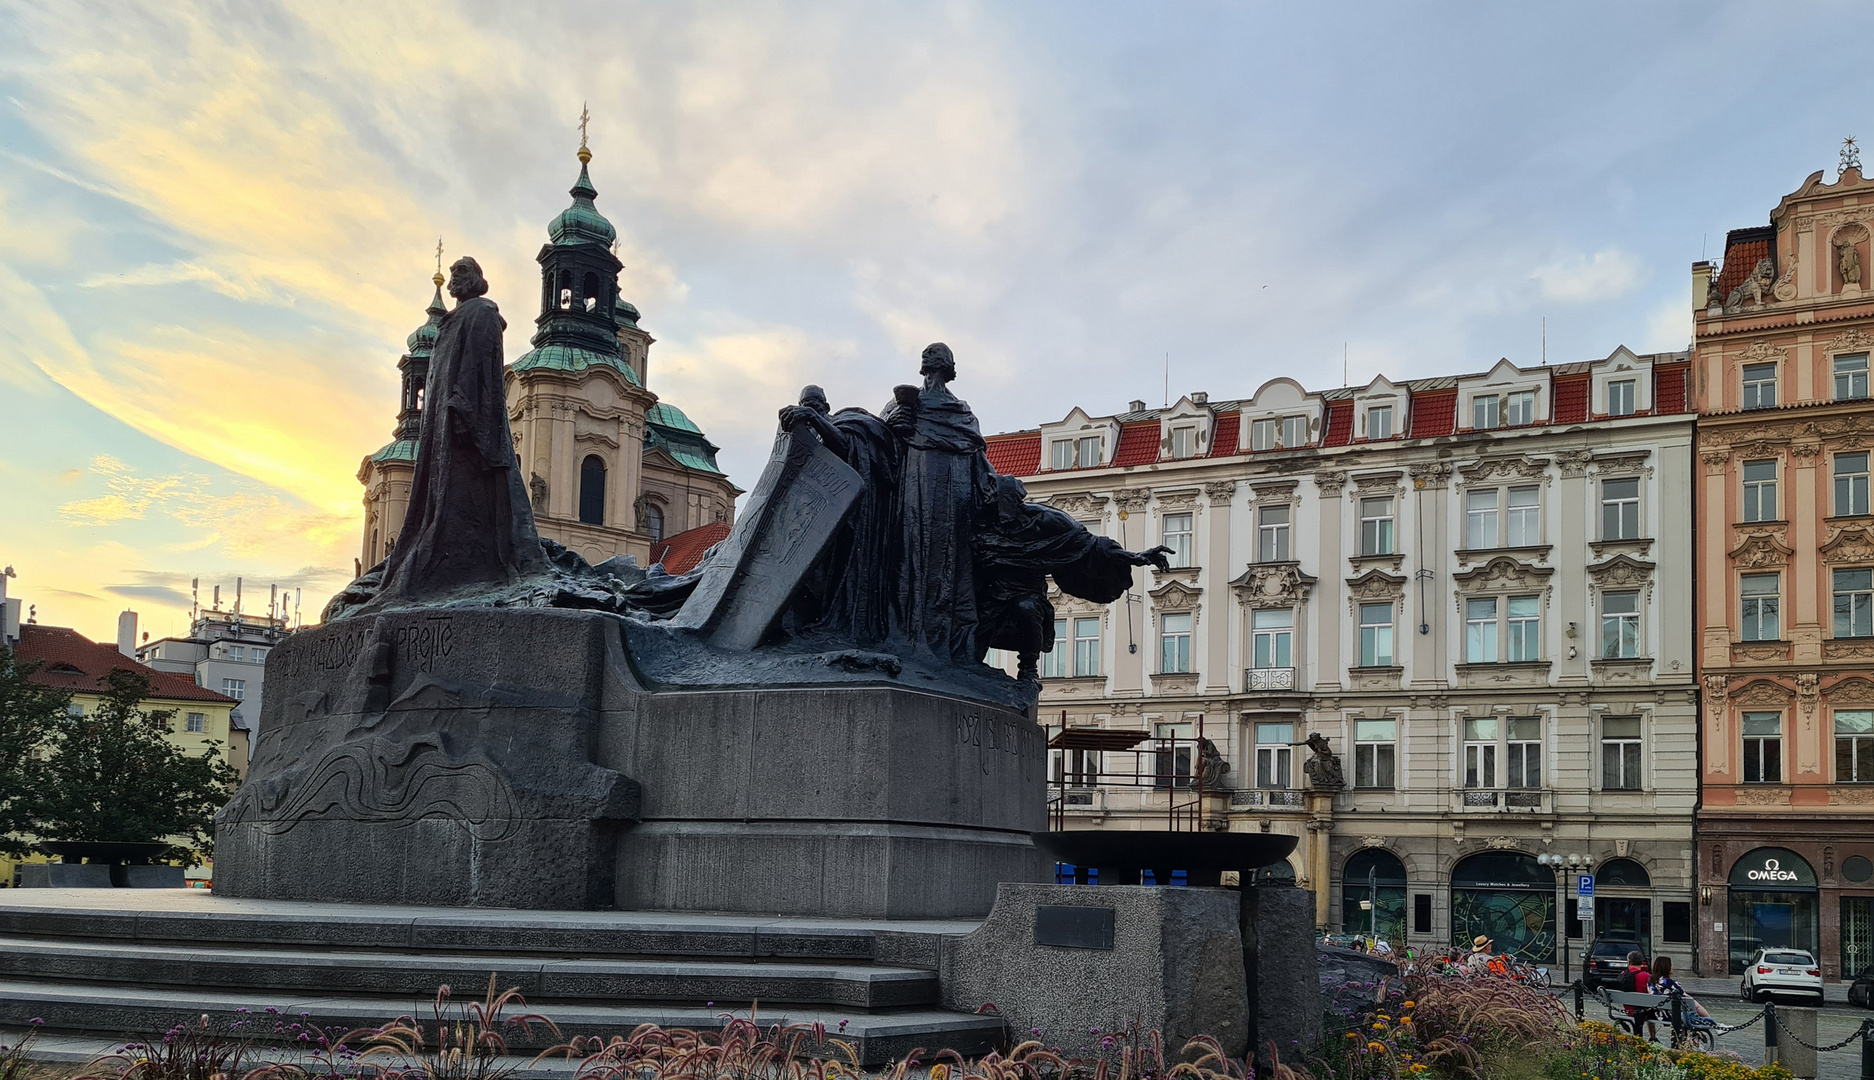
<point x="1294" y="431"/>
<point x="1486" y="412"/>
<point x="1620" y="398"/>
<point x="1082" y="453"/>
<point x="1263" y="434"/>
<point x="1379" y="422"/>
<point x="1519" y="409"/>
<point x="1183" y="442"/>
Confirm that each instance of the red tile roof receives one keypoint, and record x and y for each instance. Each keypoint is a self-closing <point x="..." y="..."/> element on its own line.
<point x="1138" y="444"/>
<point x="1018" y="454"/>
<point x="75" y="662"/>
<point x="1571" y="399"/>
<point x="1743" y="249"/>
<point x="1229" y="429"/>
<point x="1339" y="424"/>
<point x="681" y="553"/>
<point x="1669" y="390"/>
<point x="1434" y="413"/>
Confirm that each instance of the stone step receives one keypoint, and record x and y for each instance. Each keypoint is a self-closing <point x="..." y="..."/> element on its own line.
<point x="212" y="967"/>
<point x="189" y="916"/>
<point x="115" y="1011"/>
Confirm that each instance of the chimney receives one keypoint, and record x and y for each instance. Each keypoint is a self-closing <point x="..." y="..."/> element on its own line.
<point x="1701" y="284"/>
<point x="127" y="634"/>
<point x="1200" y="397"/>
<point x="1135" y="406"/>
<point x="10" y="622"/>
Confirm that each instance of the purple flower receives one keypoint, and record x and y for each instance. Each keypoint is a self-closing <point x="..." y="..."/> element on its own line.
<point x="37" y="1020"/>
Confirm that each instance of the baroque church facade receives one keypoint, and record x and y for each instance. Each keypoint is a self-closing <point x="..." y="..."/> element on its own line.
<point x="610" y="468"/>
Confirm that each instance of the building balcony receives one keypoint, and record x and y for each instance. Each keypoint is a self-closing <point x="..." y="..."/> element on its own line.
<point x="1268" y="799"/>
<point x="1262" y="680"/>
<point x="1505" y="801"/>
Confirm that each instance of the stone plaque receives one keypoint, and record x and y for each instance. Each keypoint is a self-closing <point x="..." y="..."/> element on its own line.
<point x="802" y="497"/>
<point x="1074" y="927"/>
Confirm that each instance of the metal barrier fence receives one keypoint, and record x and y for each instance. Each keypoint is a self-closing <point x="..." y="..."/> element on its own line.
<point x="1685" y="1032"/>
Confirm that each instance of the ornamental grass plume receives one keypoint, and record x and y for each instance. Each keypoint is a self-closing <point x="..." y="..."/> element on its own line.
<point x="17" y="1058"/>
<point x="463" y="1043"/>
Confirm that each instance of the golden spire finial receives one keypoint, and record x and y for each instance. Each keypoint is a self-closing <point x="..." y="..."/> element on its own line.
<point x="438" y="278"/>
<point x="585" y="117"/>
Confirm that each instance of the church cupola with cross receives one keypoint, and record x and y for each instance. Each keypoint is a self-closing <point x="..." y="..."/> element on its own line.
<point x="577" y="326"/>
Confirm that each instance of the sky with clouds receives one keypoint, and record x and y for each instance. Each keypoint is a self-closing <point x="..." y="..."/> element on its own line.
<point x="217" y="220"/>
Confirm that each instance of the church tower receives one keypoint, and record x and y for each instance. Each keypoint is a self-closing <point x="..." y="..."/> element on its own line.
<point x="386" y="474"/>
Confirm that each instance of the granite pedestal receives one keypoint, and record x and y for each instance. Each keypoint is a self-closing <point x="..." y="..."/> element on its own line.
<point x="516" y="758"/>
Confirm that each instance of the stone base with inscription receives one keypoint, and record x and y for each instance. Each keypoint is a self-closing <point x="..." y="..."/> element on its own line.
<point x="514" y="758"/>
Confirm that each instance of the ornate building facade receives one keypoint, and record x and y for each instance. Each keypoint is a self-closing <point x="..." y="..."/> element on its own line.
<point x="1785" y="556"/>
<point x="612" y="470"/>
<point x="1472" y="587"/>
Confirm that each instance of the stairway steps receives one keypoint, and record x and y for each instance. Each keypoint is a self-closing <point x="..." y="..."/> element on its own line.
<point x="117" y="1011"/>
<point x="846" y="986"/>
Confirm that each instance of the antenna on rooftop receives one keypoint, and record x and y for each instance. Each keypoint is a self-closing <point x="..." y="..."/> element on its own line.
<point x="1167" y="380"/>
<point x="1545" y="341"/>
<point x="1343" y="363"/>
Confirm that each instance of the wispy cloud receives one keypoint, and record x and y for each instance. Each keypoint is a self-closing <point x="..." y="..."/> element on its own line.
<point x="1604" y="275"/>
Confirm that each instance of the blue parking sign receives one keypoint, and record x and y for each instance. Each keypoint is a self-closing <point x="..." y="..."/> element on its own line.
<point x="1584" y="885"/>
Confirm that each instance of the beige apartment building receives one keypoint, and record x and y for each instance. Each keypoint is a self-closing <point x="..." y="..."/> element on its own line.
<point x="1473" y="587"/>
<point x="1786" y="582"/>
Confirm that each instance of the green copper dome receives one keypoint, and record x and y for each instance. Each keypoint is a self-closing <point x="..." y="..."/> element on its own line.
<point x="401" y="450"/>
<point x="581" y="223"/>
<point x="422" y="340"/>
<point x="572" y="358"/>
<point x="670" y="416"/>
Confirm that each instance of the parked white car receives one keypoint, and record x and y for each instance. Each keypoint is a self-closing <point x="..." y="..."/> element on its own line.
<point x="1781" y="971"/>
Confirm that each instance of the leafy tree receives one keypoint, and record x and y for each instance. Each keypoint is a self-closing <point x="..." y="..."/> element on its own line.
<point x="112" y="776"/>
<point x="29" y="715"/>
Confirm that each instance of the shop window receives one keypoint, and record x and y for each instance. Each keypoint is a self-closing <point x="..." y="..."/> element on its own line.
<point x="1857" y="935"/>
<point x="1373" y="752"/>
<point x="1773" y="904"/>
<point x="1272" y="534"/>
<point x="1854" y="746"/>
<point x="1760" y="604"/>
<point x="1763" y="748"/>
<point x="1422" y="913"/>
<point x="1677" y="919"/>
<point x="1506" y="896"/>
<point x="1760" y="490"/>
<point x="1373" y="892"/>
<point x="1177" y="537"/>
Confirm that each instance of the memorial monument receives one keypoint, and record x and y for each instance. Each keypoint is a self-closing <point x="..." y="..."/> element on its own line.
<point x="801" y="725"/>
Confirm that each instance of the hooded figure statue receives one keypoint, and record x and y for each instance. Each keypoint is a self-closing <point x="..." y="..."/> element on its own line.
<point x="470" y="522"/>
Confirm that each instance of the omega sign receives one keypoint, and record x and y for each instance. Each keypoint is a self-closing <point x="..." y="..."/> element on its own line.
<point x="1772" y="871"/>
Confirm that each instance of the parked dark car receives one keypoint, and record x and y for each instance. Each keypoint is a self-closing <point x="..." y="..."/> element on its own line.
<point x="1861" y="991"/>
<point x="1607" y="959"/>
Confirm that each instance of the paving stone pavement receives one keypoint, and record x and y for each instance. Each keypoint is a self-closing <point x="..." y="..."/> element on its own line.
<point x="1836" y="1021"/>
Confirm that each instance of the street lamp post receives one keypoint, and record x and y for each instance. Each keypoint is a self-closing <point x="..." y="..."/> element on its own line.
<point x="1571" y="863"/>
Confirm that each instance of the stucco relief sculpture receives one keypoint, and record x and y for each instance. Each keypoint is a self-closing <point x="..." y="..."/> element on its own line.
<point x="1753" y="289"/>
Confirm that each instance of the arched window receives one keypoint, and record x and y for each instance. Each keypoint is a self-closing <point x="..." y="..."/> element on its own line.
<point x="591" y="292"/>
<point x="592" y="491"/>
<point x="654" y="520"/>
<point x="1373" y="894"/>
<point x="1508" y="897"/>
<point x="1622" y="874"/>
<point x="566" y="289"/>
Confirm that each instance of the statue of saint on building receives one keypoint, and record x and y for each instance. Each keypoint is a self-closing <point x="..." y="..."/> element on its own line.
<point x="1848" y="260"/>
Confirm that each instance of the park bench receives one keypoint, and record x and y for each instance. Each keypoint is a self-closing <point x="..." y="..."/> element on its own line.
<point x="1672" y="1010"/>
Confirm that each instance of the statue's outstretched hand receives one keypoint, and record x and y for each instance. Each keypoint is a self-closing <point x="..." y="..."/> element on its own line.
<point x="1153" y="557"/>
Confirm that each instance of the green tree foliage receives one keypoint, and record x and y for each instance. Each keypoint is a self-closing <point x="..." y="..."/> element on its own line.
<point x="29" y="715"/>
<point x="112" y="776"/>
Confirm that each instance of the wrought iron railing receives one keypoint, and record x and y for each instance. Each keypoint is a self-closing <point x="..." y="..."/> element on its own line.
<point x="1269" y="678"/>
